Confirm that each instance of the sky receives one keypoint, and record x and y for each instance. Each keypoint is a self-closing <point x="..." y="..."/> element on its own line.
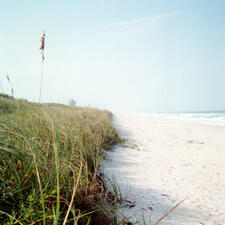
<point x="121" y="55"/>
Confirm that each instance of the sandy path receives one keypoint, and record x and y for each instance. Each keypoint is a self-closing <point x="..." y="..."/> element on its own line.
<point x="172" y="160"/>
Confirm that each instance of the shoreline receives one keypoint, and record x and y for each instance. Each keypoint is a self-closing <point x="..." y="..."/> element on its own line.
<point x="169" y="161"/>
<point x="176" y="117"/>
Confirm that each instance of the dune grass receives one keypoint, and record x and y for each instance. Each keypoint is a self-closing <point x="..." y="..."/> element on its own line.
<point x="49" y="161"/>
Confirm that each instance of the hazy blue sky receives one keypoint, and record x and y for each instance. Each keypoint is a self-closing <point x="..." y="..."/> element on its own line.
<point x="123" y="55"/>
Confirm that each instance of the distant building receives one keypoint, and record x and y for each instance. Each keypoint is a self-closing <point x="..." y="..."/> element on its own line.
<point x="72" y="103"/>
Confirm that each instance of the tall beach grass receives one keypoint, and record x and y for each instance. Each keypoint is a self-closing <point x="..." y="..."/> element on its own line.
<point x="49" y="161"/>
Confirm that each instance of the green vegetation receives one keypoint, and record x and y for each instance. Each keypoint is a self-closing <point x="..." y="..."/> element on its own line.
<point x="49" y="159"/>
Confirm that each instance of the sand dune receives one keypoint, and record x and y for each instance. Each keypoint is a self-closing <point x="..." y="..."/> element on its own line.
<point x="164" y="162"/>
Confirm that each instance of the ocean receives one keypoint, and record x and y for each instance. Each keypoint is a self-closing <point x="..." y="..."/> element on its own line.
<point x="216" y="118"/>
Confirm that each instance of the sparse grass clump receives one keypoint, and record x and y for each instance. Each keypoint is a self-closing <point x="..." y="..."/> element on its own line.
<point x="49" y="158"/>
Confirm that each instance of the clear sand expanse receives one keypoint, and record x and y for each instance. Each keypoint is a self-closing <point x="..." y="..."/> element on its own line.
<point x="166" y="161"/>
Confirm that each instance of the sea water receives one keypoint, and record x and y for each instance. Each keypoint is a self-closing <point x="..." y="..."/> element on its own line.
<point x="216" y="118"/>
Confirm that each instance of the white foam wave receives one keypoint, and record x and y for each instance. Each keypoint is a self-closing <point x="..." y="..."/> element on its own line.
<point x="217" y="119"/>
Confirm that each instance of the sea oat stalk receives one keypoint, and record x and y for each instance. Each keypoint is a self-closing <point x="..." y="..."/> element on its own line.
<point x="10" y="83"/>
<point x="42" y="49"/>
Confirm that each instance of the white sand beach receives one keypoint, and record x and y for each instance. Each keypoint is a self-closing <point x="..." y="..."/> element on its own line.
<point x="164" y="162"/>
